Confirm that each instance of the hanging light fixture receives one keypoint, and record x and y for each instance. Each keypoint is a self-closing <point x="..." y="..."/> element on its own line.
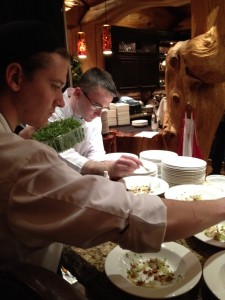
<point x="106" y="36"/>
<point x="81" y="42"/>
<point x="81" y="45"/>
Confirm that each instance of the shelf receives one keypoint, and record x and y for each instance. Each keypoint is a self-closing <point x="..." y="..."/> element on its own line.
<point x="137" y="63"/>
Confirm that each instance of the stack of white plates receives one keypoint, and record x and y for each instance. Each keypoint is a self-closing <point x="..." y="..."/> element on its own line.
<point x="111" y="114"/>
<point x="122" y="113"/>
<point x="105" y="124"/>
<point x="183" y="170"/>
<point x="157" y="156"/>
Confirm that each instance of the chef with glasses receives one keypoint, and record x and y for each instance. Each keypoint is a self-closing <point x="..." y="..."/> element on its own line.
<point x="93" y="94"/>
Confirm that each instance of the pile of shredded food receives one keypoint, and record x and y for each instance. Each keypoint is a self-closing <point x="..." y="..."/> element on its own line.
<point x="194" y="197"/>
<point x="216" y="233"/>
<point x="141" y="189"/>
<point x="150" y="273"/>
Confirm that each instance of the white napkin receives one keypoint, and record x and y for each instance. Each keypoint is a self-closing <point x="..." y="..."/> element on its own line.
<point x="148" y="134"/>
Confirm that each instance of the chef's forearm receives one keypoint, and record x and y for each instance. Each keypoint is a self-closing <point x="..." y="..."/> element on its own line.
<point x="193" y="213"/>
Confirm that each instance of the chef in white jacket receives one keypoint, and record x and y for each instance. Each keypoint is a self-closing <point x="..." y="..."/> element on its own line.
<point x="91" y="148"/>
<point x="93" y="93"/>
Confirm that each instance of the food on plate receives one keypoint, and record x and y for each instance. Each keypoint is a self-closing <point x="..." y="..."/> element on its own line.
<point x="140" y="189"/>
<point x="151" y="272"/>
<point x="194" y="197"/>
<point x="216" y="232"/>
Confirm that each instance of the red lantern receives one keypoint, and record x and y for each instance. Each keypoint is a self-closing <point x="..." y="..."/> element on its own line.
<point x="81" y="45"/>
<point x="106" y="39"/>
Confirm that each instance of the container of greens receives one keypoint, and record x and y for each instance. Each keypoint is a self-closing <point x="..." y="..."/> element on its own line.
<point x="61" y="134"/>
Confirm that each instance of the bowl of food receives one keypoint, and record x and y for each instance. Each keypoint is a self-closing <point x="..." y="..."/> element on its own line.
<point x="142" y="184"/>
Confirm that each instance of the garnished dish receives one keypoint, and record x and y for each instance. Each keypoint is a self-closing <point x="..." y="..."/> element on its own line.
<point x="150" y="272"/>
<point x="214" y="235"/>
<point x="194" y="197"/>
<point x="193" y="192"/>
<point x="216" y="232"/>
<point x="141" y="189"/>
<point x="171" y="272"/>
<point x="145" y="185"/>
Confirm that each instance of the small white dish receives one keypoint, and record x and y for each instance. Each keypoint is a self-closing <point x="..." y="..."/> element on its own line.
<point x="157" y="185"/>
<point x="214" y="274"/>
<point x="139" y="123"/>
<point x="180" y="259"/>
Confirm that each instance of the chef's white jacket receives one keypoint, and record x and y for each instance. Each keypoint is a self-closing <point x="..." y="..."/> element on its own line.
<point x="44" y="204"/>
<point x="90" y="148"/>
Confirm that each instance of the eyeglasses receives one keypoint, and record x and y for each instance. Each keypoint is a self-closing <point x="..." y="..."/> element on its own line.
<point x="95" y="106"/>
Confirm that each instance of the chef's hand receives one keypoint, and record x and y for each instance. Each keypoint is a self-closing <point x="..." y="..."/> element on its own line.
<point x="124" y="166"/>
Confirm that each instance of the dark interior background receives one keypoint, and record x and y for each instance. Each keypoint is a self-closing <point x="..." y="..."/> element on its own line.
<point x="43" y="10"/>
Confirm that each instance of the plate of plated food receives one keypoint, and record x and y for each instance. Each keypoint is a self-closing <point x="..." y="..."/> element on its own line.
<point x="214" y="235"/>
<point x="145" y="185"/>
<point x="214" y="274"/>
<point x="171" y="272"/>
<point x="193" y="192"/>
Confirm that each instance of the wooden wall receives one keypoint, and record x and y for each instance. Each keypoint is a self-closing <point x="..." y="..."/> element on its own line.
<point x="148" y="18"/>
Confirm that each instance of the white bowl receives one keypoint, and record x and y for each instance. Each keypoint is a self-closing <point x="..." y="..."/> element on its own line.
<point x="157" y="185"/>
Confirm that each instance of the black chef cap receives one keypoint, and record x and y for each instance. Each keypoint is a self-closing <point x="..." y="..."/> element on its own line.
<point x="21" y="39"/>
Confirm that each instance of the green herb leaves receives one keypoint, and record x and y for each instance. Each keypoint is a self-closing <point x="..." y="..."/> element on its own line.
<point x="61" y="134"/>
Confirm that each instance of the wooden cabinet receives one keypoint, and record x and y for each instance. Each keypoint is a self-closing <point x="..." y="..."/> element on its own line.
<point x="138" y="58"/>
<point x="133" y="72"/>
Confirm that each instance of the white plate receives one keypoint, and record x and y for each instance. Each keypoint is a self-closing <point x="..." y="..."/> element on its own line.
<point x="157" y="185"/>
<point x="139" y="123"/>
<point x="117" y="155"/>
<point x="202" y="237"/>
<point x="157" y="155"/>
<point x="148" y="168"/>
<point x="217" y="179"/>
<point x="186" y="191"/>
<point x="179" y="258"/>
<point x="183" y="162"/>
<point x="214" y="274"/>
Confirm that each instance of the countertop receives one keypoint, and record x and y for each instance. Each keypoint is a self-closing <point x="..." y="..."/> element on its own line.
<point x="130" y="128"/>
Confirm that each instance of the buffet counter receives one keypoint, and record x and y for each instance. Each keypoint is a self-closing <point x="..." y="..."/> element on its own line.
<point x="88" y="267"/>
